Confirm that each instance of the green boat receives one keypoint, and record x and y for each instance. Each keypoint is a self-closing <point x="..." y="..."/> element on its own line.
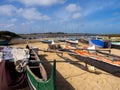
<point x="115" y="45"/>
<point x="36" y="74"/>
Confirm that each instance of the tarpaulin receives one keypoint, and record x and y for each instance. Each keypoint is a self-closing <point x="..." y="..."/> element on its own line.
<point x="10" y="79"/>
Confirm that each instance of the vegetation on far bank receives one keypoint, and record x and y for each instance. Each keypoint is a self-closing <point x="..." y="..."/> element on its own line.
<point x="83" y="34"/>
<point x="7" y="35"/>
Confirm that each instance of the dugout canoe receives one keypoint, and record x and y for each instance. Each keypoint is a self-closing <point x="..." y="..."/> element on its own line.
<point x="37" y="76"/>
<point x="110" y="64"/>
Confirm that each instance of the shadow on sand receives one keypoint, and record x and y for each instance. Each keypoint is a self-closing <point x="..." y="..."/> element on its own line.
<point x="61" y="83"/>
<point x="77" y="64"/>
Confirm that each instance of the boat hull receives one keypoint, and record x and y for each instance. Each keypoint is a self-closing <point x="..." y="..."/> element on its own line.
<point x="39" y="84"/>
<point x="72" y="41"/>
<point x="115" y="46"/>
<point x="47" y="41"/>
<point x="4" y="42"/>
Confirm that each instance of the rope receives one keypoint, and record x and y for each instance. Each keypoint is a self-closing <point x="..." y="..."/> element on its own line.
<point x="20" y="65"/>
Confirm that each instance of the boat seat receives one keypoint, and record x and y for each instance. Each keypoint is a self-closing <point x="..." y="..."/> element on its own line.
<point x="32" y="56"/>
<point x="31" y="53"/>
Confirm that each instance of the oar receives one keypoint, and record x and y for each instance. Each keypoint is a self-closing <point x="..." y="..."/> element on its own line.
<point x="54" y="51"/>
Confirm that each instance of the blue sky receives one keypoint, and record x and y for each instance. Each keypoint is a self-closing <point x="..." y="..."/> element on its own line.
<point x="70" y="16"/>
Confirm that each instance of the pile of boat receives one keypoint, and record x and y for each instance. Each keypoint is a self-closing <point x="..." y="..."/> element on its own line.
<point x="21" y="67"/>
<point x="98" y="58"/>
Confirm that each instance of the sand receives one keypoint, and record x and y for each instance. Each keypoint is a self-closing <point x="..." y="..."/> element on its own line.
<point x="74" y="76"/>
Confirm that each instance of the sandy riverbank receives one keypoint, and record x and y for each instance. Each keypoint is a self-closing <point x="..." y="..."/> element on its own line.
<point x="74" y="77"/>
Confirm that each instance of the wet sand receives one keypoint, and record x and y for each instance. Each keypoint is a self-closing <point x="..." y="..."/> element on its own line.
<point x="75" y="76"/>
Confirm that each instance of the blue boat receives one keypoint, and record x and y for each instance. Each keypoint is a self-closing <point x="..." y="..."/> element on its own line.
<point x="97" y="43"/>
<point x="4" y="42"/>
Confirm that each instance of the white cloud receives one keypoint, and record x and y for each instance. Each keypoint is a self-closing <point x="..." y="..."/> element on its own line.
<point x="27" y="23"/>
<point x="73" y="8"/>
<point x="75" y="11"/>
<point x="7" y="10"/>
<point x="41" y="2"/>
<point x="8" y="26"/>
<point x="32" y="14"/>
<point x="27" y="13"/>
<point x="76" y="15"/>
<point x="13" y="20"/>
<point x="1" y="25"/>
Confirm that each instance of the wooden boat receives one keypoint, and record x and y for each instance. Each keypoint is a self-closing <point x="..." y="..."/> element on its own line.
<point x="115" y="45"/>
<point x="72" y="41"/>
<point x="47" y="41"/>
<point x="61" y="39"/>
<point x="110" y="64"/>
<point x="4" y="42"/>
<point x="37" y="76"/>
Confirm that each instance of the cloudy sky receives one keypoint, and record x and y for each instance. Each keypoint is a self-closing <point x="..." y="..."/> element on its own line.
<point x="71" y="16"/>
